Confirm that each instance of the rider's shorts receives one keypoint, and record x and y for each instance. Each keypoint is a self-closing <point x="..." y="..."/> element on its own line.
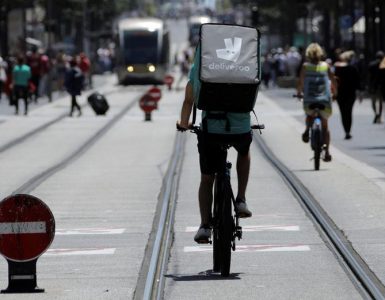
<point x="325" y="113"/>
<point x="212" y="153"/>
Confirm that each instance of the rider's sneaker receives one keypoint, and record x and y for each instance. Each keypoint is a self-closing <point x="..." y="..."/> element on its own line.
<point x="203" y="234"/>
<point x="241" y="208"/>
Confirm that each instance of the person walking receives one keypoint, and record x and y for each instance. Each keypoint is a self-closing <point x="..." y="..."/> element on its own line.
<point x="3" y="75"/>
<point x="184" y="68"/>
<point x="21" y="75"/>
<point x="374" y="86"/>
<point x="85" y="67"/>
<point x="74" y="80"/>
<point x="34" y="61"/>
<point x="348" y="82"/>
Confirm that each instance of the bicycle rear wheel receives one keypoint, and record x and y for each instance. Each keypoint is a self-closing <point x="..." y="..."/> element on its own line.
<point x="216" y="242"/>
<point x="226" y="229"/>
<point x="223" y="228"/>
<point x="317" y="149"/>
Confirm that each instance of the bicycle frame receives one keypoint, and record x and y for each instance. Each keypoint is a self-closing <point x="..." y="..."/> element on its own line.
<point x="225" y="225"/>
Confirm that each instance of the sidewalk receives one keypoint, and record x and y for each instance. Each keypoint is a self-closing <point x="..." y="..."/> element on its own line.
<point x="351" y="191"/>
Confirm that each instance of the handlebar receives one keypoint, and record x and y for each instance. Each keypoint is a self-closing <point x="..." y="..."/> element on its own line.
<point x="196" y="129"/>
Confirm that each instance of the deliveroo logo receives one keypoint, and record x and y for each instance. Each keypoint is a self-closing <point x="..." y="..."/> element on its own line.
<point x="232" y="50"/>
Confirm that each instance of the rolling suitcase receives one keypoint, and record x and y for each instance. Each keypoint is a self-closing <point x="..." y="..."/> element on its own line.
<point x="98" y="103"/>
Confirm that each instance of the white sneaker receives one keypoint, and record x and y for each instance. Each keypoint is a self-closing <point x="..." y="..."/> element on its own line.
<point x="203" y="235"/>
<point x="241" y="209"/>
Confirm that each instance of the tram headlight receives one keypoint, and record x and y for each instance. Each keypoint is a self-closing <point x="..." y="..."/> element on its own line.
<point x="151" y="68"/>
<point x="130" y="69"/>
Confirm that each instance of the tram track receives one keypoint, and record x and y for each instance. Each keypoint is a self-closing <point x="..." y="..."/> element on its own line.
<point x="150" y="283"/>
<point x="39" y="178"/>
<point x="363" y="278"/>
<point x="28" y="135"/>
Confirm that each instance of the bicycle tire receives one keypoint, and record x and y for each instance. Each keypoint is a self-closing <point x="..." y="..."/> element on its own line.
<point x="226" y="230"/>
<point x="216" y="242"/>
<point x="317" y="149"/>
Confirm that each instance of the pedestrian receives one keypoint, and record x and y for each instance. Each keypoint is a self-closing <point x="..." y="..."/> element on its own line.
<point x="34" y="62"/>
<point x="267" y="66"/>
<point x="60" y="67"/>
<point x="85" y="67"/>
<point x="21" y="75"/>
<point x="45" y="69"/>
<point x="381" y="77"/>
<point x="3" y="75"/>
<point x="374" y="86"/>
<point x="74" y="80"/>
<point x="184" y="67"/>
<point x="348" y="82"/>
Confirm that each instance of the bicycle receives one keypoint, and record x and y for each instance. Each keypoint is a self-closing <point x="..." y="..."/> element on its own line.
<point x="316" y="133"/>
<point x="225" y="224"/>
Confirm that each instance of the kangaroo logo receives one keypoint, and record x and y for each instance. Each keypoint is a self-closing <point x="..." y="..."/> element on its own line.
<point x="232" y="50"/>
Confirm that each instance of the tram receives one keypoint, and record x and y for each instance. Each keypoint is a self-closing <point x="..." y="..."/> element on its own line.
<point x="143" y="53"/>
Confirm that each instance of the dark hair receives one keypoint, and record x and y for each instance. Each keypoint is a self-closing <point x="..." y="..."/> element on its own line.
<point x="20" y="59"/>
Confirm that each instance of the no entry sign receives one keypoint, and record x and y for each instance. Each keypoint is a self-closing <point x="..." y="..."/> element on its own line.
<point x="27" y="227"/>
<point x="154" y="93"/>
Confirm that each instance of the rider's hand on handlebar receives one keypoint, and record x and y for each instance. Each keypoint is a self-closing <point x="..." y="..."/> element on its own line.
<point x="179" y="127"/>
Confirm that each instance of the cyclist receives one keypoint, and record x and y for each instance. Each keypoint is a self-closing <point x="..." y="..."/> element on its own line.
<point x="214" y="133"/>
<point x="316" y="85"/>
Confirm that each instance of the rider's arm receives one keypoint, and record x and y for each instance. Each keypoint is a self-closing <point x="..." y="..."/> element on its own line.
<point x="187" y="106"/>
<point x="301" y="81"/>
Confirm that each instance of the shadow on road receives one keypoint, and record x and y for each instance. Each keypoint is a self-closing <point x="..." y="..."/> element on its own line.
<point x="205" y="275"/>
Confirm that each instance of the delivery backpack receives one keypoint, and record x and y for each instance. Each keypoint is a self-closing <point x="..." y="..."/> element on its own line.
<point x="229" y="67"/>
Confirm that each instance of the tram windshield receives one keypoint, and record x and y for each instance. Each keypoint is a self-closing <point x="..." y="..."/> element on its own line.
<point x="140" y="46"/>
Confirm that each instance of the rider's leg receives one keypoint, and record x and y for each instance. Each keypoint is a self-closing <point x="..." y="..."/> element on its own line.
<point x="243" y="169"/>
<point x="308" y="122"/>
<point x="206" y="198"/>
<point x="326" y="135"/>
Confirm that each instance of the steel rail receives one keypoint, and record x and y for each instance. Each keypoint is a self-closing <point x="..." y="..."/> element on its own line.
<point x="35" y="181"/>
<point x="40" y="128"/>
<point x="364" y="278"/>
<point x="153" y="288"/>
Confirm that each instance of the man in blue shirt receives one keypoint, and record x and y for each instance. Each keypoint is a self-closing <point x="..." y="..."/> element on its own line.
<point x="235" y="130"/>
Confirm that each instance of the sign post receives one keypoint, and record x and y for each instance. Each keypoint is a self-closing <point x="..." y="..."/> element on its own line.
<point x="27" y="229"/>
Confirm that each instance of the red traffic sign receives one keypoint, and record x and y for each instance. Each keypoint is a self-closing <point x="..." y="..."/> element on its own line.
<point x="148" y="104"/>
<point x="27" y="227"/>
<point x="154" y="93"/>
<point x="168" y="79"/>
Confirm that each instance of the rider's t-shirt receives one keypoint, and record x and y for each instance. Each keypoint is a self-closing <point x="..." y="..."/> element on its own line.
<point x="239" y="122"/>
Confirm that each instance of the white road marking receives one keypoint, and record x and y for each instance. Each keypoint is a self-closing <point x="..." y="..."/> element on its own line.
<point x="253" y="248"/>
<point x="89" y="231"/>
<point x="79" y="251"/>
<point x="257" y="228"/>
<point x="22" y="227"/>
